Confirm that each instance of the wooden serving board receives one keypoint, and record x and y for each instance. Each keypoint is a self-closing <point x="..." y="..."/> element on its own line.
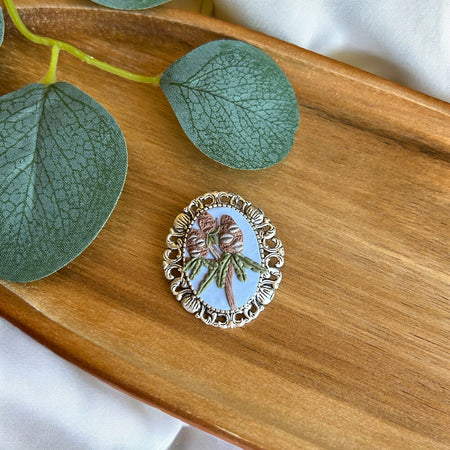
<point x="353" y="351"/>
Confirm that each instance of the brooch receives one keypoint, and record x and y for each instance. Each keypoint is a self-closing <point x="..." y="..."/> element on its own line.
<point x="223" y="259"/>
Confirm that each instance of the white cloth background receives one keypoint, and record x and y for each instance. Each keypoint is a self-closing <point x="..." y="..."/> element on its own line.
<point x="46" y="402"/>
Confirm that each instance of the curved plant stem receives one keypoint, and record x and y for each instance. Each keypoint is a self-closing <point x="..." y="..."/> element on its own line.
<point x="229" y="294"/>
<point x="50" y="77"/>
<point x="42" y="40"/>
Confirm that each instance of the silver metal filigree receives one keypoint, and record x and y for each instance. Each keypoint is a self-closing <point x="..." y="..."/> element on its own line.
<point x="271" y="252"/>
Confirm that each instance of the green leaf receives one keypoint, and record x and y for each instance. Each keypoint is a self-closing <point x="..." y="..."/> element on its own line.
<point x="239" y="267"/>
<point x="63" y="163"/>
<point x="195" y="266"/>
<point x="208" y="279"/>
<point x="252" y="265"/>
<point x="2" y="26"/>
<point x="211" y="238"/>
<point x="234" y="103"/>
<point x="130" y="4"/>
<point x="190" y="264"/>
<point x="222" y="269"/>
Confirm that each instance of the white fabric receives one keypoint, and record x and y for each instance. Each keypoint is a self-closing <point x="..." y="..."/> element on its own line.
<point x="46" y="402"/>
<point x="407" y="41"/>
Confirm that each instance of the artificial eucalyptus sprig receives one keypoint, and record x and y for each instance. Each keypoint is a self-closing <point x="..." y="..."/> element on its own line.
<point x="58" y="45"/>
<point x="63" y="157"/>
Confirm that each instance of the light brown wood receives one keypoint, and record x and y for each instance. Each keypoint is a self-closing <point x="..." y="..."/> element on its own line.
<point x="353" y="351"/>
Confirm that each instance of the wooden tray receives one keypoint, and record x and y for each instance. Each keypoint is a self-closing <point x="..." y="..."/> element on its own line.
<point x="353" y="351"/>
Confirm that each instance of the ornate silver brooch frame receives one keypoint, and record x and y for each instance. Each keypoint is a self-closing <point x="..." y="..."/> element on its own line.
<point x="223" y="259"/>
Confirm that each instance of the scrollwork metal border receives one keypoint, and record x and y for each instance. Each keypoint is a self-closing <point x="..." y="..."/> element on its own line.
<point x="271" y="250"/>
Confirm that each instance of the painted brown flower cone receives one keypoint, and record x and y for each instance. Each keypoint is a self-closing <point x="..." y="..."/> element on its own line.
<point x="207" y="223"/>
<point x="231" y="238"/>
<point x="196" y="243"/>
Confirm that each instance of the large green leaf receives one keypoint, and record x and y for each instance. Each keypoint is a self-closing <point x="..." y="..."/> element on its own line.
<point x="130" y="4"/>
<point x="63" y="163"/>
<point x="234" y="103"/>
<point x="2" y="26"/>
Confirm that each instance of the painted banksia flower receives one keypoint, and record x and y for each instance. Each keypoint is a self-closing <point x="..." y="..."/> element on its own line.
<point x="231" y="238"/>
<point x="225" y="242"/>
<point x="196" y="243"/>
<point x="207" y="223"/>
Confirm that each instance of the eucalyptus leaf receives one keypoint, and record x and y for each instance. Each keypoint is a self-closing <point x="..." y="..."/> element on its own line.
<point x="63" y="162"/>
<point x="2" y="26"/>
<point x="130" y="4"/>
<point x="234" y="103"/>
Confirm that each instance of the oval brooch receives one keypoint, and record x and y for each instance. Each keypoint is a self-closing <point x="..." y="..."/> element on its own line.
<point x="223" y="259"/>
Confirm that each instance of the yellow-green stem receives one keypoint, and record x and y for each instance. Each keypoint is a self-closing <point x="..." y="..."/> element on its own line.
<point x="54" y="43"/>
<point x="50" y="77"/>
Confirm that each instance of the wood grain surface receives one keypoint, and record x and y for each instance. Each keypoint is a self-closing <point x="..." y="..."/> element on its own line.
<point x="353" y="352"/>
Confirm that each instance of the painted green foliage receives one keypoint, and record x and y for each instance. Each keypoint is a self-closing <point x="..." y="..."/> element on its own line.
<point x="234" y="103"/>
<point x="2" y="26"/>
<point x="130" y="4"/>
<point x="63" y="162"/>
<point x="224" y="242"/>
